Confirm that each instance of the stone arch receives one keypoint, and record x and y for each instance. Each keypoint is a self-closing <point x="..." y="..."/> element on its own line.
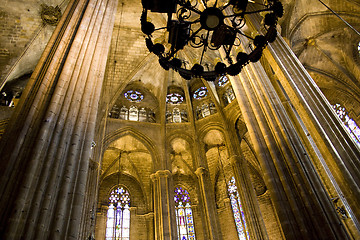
<point x="148" y="142"/>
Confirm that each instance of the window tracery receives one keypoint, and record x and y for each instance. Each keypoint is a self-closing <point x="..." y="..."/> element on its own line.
<point x="176" y="115"/>
<point x="237" y="209"/>
<point x="200" y="93"/>
<point x="133" y="113"/>
<point x="223" y="80"/>
<point x="349" y="123"/>
<point x="184" y="216"/>
<point x="174" y="98"/>
<point x="205" y="110"/>
<point x="228" y="95"/>
<point x="118" y="215"/>
<point x="134" y="96"/>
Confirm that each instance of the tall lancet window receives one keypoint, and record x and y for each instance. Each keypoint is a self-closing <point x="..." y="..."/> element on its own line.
<point x="184" y="217"/>
<point x="237" y="210"/>
<point x="349" y="123"/>
<point x="118" y="215"/>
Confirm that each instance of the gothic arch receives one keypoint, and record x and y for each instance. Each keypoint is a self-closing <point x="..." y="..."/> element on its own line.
<point x="148" y="143"/>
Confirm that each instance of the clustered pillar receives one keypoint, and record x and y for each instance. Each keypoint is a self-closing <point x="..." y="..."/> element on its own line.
<point x="46" y="148"/>
<point x="165" y="222"/>
<point x="297" y="193"/>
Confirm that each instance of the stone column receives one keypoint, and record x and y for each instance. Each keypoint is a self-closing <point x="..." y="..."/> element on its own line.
<point x="164" y="206"/>
<point x="208" y="202"/>
<point x="150" y="225"/>
<point x="303" y="207"/>
<point x="101" y="220"/>
<point x="320" y="127"/>
<point x="47" y="146"/>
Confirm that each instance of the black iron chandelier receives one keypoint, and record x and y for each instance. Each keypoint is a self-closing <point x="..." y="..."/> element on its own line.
<point x="208" y="25"/>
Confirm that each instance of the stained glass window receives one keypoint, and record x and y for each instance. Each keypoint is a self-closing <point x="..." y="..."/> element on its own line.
<point x="200" y="93"/>
<point x="174" y="98"/>
<point x="176" y="115"/>
<point x="134" y="96"/>
<point x="124" y="113"/>
<point x="118" y="215"/>
<point x="349" y="123"/>
<point x="229" y="95"/>
<point x="237" y="209"/>
<point x="222" y="81"/>
<point x="184" y="217"/>
<point x="359" y="48"/>
<point x="133" y="113"/>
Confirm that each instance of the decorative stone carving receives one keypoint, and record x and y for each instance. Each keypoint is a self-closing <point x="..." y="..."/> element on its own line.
<point x="50" y="15"/>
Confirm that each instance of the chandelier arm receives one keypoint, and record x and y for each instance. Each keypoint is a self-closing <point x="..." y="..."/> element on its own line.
<point x="243" y="34"/>
<point x="204" y="3"/>
<point x="197" y="45"/>
<point x="192" y="22"/>
<point x="240" y="25"/>
<point x="194" y="33"/>
<point x="190" y="7"/>
<point x="224" y="7"/>
<point x="180" y="14"/>
<point x="159" y="28"/>
<point x="215" y="3"/>
<point x="211" y="47"/>
<point x="205" y="46"/>
<point x="237" y="45"/>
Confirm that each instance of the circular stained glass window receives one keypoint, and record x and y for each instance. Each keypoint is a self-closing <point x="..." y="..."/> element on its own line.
<point x="134" y="96"/>
<point x="120" y="195"/>
<point x="222" y="81"/>
<point x="181" y="195"/>
<point x="200" y="93"/>
<point x="174" y="98"/>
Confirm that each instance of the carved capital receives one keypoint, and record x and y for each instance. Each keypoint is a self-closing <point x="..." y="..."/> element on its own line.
<point x="50" y="15"/>
<point x="160" y="174"/>
<point x="201" y="171"/>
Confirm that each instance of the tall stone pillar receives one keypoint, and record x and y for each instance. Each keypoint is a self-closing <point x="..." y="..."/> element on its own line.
<point x="303" y="207"/>
<point x="164" y="206"/>
<point x="208" y="201"/>
<point x="319" y="126"/>
<point x="321" y="131"/>
<point x="46" y="148"/>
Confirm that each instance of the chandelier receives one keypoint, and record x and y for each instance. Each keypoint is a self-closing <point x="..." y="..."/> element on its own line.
<point x="208" y="25"/>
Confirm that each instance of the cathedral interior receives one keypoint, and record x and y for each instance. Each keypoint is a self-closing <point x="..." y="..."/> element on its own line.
<point x="99" y="141"/>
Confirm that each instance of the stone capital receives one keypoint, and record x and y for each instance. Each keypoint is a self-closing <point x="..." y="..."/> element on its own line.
<point x="160" y="174"/>
<point x="201" y="171"/>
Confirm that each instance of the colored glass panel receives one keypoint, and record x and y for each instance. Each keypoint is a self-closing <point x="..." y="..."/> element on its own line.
<point x="238" y="211"/>
<point x="174" y="98"/>
<point x="118" y="215"/>
<point x="184" y="216"/>
<point x="134" y="96"/>
<point x="222" y="81"/>
<point x="349" y="123"/>
<point x="200" y="93"/>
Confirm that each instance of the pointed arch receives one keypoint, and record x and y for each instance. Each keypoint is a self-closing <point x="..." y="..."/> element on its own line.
<point x="148" y="143"/>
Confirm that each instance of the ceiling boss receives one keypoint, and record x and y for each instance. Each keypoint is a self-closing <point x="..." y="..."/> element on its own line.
<point x="199" y="28"/>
